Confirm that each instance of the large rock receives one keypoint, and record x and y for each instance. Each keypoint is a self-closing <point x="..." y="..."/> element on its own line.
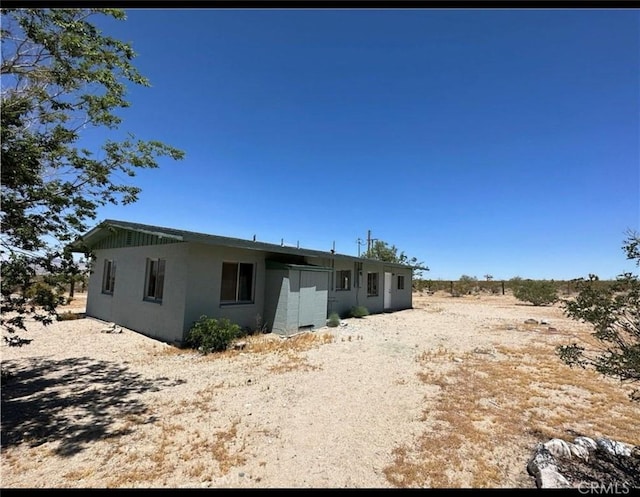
<point x="584" y="463"/>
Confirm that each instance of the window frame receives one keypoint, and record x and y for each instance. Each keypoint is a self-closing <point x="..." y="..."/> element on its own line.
<point x="109" y="276"/>
<point x="156" y="268"/>
<point x="376" y="290"/>
<point x="357" y="272"/>
<point x="340" y="277"/>
<point x="400" y="285"/>
<point x="237" y="284"/>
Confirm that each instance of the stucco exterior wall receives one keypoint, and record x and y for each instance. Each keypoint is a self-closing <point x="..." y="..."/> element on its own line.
<point x="341" y="301"/>
<point x="126" y="306"/>
<point x="192" y="287"/>
<point x="400" y="298"/>
<point x="276" y="300"/>
<point x="204" y="276"/>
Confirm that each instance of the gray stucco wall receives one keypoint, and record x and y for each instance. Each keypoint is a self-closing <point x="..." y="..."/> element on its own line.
<point x="126" y="306"/>
<point x="276" y="300"/>
<point x="341" y="301"/>
<point x="204" y="274"/>
<point x="400" y="299"/>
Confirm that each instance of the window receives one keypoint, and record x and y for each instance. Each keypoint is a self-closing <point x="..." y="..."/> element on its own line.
<point x="109" y="276"/>
<point x="372" y="284"/>
<point x="155" y="280"/>
<point x="237" y="283"/>
<point x="400" y="282"/>
<point x="343" y="280"/>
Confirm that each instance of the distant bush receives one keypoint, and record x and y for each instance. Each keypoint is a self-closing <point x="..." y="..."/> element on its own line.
<point x="537" y="292"/>
<point x="334" y="320"/>
<point x="212" y="335"/>
<point x="422" y="285"/>
<point x="465" y="285"/>
<point x="359" y="311"/>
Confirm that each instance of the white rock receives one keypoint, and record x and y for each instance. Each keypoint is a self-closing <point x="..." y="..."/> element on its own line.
<point x="579" y="451"/>
<point x="613" y="447"/>
<point x="558" y="448"/>
<point x="586" y="442"/>
<point x="545" y="471"/>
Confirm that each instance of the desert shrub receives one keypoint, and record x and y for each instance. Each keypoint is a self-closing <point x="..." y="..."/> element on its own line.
<point x="69" y="316"/>
<point x="537" y="292"/>
<point x="212" y="335"/>
<point x="465" y="285"/>
<point x="44" y="294"/>
<point x="359" y="311"/>
<point x="334" y="320"/>
<point x="422" y="285"/>
<point x="513" y="283"/>
<point x="613" y="309"/>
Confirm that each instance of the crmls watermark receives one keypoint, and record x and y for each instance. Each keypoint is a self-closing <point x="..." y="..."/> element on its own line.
<point x="614" y="488"/>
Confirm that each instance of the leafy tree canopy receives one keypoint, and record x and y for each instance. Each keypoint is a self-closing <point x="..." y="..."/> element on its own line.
<point x="382" y="251"/>
<point x="614" y="312"/>
<point x="59" y="75"/>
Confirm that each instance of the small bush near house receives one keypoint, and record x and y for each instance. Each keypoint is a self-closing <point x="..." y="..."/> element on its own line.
<point x="69" y="316"/>
<point x="537" y="292"/>
<point x="212" y="335"/>
<point x="334" y="320"/>
<point x="359" y="311"/>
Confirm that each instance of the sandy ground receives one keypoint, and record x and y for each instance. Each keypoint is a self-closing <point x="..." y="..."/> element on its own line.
<point x="352" y="406"/>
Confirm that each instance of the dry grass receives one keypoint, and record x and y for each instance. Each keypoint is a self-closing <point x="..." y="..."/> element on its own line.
<point x="485" y="406"/>
<point x="222" y="448"/>
<point x="204" y="456"/>
<point x="482" y="414"/>
<point x="70" y="316"/>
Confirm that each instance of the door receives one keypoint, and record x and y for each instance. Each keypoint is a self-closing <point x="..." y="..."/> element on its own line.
<point x="387" y="290"/>
<point x="312" y="306"/>
<point x="307" y="299"/>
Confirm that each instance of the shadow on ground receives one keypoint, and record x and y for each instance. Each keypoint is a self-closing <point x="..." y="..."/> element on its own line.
<point x="73" y="401"/>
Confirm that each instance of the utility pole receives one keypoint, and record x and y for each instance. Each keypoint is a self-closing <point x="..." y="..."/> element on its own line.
<point x="359" y="241"/>
<point x="370" y="242"/>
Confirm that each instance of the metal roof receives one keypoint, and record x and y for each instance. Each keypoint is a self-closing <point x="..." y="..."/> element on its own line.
<point x="102" y="230"/>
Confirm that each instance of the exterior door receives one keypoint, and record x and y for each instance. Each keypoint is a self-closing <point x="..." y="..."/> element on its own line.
<point x="387" y="290"/>
<point x="312" y="306"/>
<point x="307" y="299"/>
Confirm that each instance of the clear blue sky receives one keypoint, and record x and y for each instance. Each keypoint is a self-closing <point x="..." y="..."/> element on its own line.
<point x="481" y="141"/>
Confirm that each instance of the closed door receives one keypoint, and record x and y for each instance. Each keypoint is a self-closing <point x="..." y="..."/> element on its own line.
<point x="312" y="307"/>
<point x="387" y="290"/>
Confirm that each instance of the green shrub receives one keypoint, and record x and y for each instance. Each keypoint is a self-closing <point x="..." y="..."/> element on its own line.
<point x="334" y="320"/>
<point x="212" y="335"/>
<point x="537" y="292"/>
<point x="359" y="311"/>
<point x="465" y="285"/>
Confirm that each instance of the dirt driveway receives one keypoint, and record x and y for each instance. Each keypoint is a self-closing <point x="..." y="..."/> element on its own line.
<point x="455" y="392"/>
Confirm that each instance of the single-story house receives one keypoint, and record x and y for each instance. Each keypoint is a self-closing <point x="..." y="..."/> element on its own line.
<point x="159" y="281"/>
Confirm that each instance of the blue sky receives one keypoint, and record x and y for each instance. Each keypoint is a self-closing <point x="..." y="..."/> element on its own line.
<point x="481" y="141"/>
